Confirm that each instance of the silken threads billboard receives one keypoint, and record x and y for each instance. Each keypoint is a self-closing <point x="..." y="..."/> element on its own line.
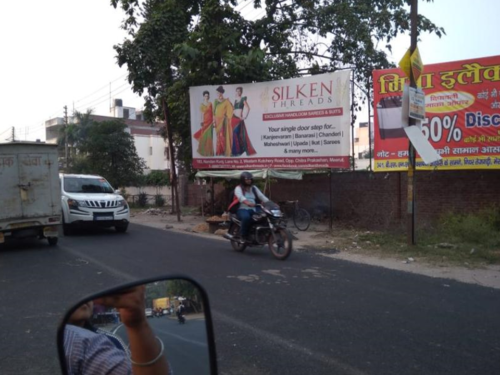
<point x="462" y="103"/>
<point x="298" y="123"/>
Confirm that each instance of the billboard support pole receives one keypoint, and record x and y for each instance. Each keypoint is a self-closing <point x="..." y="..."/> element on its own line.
<point x="212" y="196"/>
<point x="331" y="201"/>
<point x="369" y="126"/>
<point x="352" y="121"/>
<point x="411" y="150"/>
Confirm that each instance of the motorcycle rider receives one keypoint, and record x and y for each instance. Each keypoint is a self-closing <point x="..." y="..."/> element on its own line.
<point x="180" y="311"/>
<point x="248" y="195"/>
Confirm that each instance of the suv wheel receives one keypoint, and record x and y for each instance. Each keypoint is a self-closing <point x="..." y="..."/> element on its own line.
<point x="121" y="228"/>
<point x="52" y="241"/>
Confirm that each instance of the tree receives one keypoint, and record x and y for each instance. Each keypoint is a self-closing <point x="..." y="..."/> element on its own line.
<point x="108" y="150"/>
<point x="179" y="44"/>
<point x="150" y="58"/>
<point x="158" y="179"/>
<point x="77" y="132"/>
<point x="184" y="288"/>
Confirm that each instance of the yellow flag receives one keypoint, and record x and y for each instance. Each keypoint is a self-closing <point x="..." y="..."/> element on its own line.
<point x="416" y="64"/>
<point x="405" y="63"/>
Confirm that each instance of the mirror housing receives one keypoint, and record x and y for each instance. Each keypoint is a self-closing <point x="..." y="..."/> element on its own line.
<point x="167" y="332"/>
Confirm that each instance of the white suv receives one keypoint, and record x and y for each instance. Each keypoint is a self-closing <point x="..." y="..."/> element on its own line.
<point x="90" y="199"/>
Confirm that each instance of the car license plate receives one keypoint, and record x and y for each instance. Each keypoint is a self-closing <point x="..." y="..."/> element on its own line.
<point x="103" y="218"/>
<point x="50" y="231"/>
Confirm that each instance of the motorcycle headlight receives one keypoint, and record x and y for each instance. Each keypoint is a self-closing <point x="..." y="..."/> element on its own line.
<point x="277" y="213"/>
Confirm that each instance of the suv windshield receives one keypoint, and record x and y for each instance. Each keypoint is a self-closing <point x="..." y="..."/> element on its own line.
<point x="86" y="185"/>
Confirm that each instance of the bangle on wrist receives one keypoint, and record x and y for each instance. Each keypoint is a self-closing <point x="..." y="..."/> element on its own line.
<point x="152" y="362"/>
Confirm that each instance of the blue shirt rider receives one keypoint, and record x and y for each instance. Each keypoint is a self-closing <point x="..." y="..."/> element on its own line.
<point x="246" y="194"/>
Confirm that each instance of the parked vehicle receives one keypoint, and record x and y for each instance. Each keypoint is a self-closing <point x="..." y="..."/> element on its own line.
<point x="148" y="312"/>
<point x="90" y="200"/>
<point x="267" y="228"/>
<point x="30" y="194"/>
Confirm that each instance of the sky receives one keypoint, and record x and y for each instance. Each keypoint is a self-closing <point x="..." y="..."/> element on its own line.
<point x="60" y="52"/>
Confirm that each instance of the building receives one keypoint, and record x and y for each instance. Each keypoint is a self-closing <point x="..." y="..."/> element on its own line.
<point x="362" y="145"/>
<point x="149" y="144"/>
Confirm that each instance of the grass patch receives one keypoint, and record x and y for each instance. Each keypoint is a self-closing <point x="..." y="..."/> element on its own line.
<point x="466" y="239"/>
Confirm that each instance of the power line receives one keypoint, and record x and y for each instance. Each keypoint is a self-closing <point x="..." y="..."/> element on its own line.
<point x="90" y="104"/>
<point x="103" y="87"/>
<point x="105" y="100"/>
<point x="244" y="6"/>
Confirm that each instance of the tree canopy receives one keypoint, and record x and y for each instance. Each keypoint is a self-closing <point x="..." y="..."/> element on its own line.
<point x="108" y="150"/>
<point x="174" y="44"/>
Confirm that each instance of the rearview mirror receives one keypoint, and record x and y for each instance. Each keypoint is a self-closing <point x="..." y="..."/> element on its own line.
<point x="156" y="326"/>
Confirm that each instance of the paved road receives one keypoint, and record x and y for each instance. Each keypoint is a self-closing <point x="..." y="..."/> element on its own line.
<point x="308" y="314"/>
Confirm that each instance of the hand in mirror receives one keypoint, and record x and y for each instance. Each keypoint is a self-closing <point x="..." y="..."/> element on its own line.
<point x="116" y="333"/>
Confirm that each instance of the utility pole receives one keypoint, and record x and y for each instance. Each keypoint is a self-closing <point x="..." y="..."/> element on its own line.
<point x="66" y="137"/>
<point x="412" y="122"/>
<point x="13" y="134"/>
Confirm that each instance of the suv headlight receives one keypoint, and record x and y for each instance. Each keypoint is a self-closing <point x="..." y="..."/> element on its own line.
<point x="122" y="203"/>
<point x="73" y="204"/>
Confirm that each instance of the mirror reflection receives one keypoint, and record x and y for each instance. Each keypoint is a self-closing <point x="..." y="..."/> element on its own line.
<point x="156" y="328"/>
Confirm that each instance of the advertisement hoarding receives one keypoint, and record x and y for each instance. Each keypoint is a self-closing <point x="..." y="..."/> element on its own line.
<point x="300" y="123"/>
<point x="462" y="122"/>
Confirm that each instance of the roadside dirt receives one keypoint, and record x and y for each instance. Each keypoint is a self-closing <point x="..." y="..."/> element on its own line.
<point x="320" y="241"/>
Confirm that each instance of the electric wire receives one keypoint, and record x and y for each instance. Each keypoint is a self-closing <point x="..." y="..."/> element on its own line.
<point x="105" y="100"/>
<point x="244" y="6"/>
<point x="91" y="103"/>
<point x="103" y="87"/>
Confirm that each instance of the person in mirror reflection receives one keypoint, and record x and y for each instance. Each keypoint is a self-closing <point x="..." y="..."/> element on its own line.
<point x="180" y="312"/>
<point x="89" y="352"/>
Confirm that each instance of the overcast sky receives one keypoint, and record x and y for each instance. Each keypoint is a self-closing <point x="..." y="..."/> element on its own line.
<point x="60" y="52"/>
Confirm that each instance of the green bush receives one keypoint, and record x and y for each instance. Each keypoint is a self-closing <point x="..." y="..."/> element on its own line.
<point x="142" y="200"/>
<point x="159" y="200"/>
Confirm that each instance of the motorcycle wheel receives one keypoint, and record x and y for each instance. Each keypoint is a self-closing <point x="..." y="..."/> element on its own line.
<point x="239" y="247"/>
<point x="283" y="247"/>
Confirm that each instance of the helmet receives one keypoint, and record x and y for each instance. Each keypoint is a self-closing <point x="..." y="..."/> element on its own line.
<point x="244" y="176"/>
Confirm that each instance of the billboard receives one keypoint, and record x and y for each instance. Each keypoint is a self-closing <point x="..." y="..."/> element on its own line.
<point x="462" y="122"/>
<point x="300" y="123"/>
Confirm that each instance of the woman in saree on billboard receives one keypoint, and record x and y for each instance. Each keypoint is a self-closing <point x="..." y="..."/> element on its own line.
<point x="223" y="113"/>
<point x="241" y="141"/>
<point x="205" y="135"/>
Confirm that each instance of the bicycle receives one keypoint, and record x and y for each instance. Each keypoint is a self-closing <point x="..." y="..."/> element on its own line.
<point x="301" y="217"/>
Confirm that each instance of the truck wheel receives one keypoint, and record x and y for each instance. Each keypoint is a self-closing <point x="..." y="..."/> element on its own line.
<point x="52" y="240"/>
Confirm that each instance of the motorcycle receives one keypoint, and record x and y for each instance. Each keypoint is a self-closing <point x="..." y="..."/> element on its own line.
<point x="135" y="343"/>
<point x="181" y="319"/>
<point x="268" y="227"/>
